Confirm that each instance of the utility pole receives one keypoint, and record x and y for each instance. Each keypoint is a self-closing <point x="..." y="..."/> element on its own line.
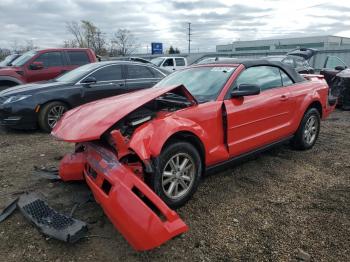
<point x="189" y="38"/>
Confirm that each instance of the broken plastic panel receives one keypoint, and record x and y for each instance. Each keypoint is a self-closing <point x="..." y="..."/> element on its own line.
<point x="49" y="221"/>
<point x="134" y="209"/>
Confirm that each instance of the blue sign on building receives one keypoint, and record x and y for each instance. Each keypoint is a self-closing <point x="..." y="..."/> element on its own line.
<point x="157" y="48"/>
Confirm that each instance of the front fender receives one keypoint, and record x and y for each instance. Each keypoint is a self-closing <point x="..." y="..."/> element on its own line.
<point x="149" y="139"/>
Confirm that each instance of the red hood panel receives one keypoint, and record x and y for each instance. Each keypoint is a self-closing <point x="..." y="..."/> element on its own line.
<point x="88" y="122"/>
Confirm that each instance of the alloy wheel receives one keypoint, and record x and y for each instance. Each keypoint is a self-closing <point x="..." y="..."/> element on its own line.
<point x="311" y="129"/>
<point x="178" y="175"/>
<point x="55" y="114"/>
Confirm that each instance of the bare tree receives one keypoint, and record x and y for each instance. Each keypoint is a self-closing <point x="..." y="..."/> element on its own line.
<point x="4" y="52"/>
<point x="22" y="47"/>
<point x="123" y="43"/>
<point x="75" y="29"/>
<point x="70" y="44"/>
<point x="29" y="45"/>
<point x="86" y="34"/>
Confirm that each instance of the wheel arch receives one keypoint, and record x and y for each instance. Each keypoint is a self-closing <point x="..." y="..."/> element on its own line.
<point x="315" y="104"/>
<point x="149" y="140"/>
<point x="9" y="81"/>
<point x="189" y="137"/>
<point x="55" y="100"/>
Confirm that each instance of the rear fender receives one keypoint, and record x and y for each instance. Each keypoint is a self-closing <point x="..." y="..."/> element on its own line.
<point x="149" y="139"/>
<point x="304" y="105"/>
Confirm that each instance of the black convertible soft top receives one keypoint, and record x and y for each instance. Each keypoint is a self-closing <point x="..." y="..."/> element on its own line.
<point x="294" y="75"/>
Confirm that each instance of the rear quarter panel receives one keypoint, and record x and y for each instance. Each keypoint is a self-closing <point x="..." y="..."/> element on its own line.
<point x="304" y="94"/>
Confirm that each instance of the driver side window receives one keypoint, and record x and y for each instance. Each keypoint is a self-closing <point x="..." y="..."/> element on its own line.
<point x="108" y="73"/>
<point x="169" y="62"/>
<point x="266" y="77"/>
<point x="50" y="59"/>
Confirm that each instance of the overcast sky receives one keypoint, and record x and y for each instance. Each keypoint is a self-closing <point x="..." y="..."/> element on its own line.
<point x="213" y="22"/>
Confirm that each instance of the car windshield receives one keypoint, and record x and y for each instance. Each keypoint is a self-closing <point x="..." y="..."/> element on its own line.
<point x="157" y="61"/>
<point x="204" y="83"/>
<point x="24" y="58"/>
<point x="7" y="60"/>
<point x="76" y="74"/>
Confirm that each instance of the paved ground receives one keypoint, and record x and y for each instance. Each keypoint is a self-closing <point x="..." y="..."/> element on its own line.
<point x="261" y="210"/>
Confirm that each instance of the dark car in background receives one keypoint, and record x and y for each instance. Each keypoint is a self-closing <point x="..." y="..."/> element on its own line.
<point x="337" y="75"/>
<point x="8" y="60"/>
<point x="42" y="104"/>
<point x="297" y="58"/>
<point x="44" y="64"/>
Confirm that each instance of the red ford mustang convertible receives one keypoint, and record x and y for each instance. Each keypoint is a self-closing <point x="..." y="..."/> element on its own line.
<point x="144" y="153"/>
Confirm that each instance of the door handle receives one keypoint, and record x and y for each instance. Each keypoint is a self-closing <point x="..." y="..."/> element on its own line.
<point x="121" y="84"/>
<point x="284" y="97"/>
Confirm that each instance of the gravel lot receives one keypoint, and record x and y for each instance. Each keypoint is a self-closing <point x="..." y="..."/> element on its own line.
<point x="261" y="210"/>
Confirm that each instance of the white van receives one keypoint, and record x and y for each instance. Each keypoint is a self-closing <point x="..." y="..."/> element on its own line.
<point x="170" y="63"/>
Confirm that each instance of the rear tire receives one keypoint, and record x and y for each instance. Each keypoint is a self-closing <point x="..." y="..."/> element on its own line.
<point x="50" y="114"/>
<point x="177" y="175"/>
<point x="307" y="133"/>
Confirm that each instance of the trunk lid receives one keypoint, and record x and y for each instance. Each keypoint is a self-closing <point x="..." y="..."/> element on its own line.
<point x="305" y="53"/>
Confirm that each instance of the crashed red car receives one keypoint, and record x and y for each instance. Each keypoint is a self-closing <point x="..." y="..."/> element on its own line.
<point x="143" y="153"/>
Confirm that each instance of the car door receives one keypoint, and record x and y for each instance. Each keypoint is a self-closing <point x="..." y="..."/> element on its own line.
<point x="180" y="63"/>
<point x="140" y="77"/>
<point x="110" y="81"/>
<point x="332" y="66"/>
<point x="53" y="65"/>
<point x="254" y="121"/>
<point x="169" y="64"/>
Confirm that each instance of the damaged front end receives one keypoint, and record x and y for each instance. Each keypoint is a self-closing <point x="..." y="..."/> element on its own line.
<point x="116" y="174"/>
<point x="133" y="208"/>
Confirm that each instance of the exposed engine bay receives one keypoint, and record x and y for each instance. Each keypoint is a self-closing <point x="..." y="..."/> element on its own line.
<point x="169" y="102"/>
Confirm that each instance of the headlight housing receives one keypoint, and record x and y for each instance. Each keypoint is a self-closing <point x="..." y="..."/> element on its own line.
<point x="17" y="98"/>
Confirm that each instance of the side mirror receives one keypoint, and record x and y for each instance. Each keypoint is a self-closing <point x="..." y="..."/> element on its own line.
<point x="36" y="66"/>
<point x="89" y="80"/>
<point x="339" y="68"/>
<point x="246" y="90"/>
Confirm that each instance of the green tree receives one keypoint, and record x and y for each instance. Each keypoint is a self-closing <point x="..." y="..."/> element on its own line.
<point x="171" y="50"/>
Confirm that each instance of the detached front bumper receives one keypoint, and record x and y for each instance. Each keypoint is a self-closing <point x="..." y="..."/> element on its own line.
<point x="134" y="209"/>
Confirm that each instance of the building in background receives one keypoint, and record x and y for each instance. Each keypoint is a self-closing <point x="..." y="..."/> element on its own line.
<point x="281" y="46"/>
<point x="326" y="45"/>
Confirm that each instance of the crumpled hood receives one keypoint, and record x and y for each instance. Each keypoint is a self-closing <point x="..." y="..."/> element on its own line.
<point x="88" y="122"/>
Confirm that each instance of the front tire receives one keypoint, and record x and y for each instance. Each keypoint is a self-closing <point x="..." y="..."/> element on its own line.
<point x="307" y="133"/>
<point x="50" y="114"/>
<point x="177" y="175"/>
